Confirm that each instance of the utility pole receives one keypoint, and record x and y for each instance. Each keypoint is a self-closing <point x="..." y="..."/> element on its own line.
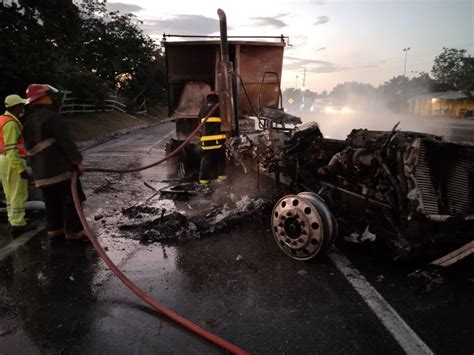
<point x="304" y="78"/>
<point x="406" y="55"/>
<point x="296" y="82"/>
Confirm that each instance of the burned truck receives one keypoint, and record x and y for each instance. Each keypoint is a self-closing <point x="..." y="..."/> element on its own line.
<point x="413" y="186"/>
<point x="410" y="184"/>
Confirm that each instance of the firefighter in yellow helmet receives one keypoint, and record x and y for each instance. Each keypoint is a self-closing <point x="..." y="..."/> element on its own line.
<point x="212" y="145"/>
<point x="13" y="173"/>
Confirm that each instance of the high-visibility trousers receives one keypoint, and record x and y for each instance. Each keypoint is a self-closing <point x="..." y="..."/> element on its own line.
<point x="16" y="192"/>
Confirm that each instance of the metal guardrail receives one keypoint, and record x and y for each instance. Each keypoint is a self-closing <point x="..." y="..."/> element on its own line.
<point x="71" y="105"/>
<point x="142" y="110"/>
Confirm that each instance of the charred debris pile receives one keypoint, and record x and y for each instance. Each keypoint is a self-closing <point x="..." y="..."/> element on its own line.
<point x="170" y="226"/>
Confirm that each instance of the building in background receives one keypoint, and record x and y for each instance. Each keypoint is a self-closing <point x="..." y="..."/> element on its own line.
<point x="451" y="104"/>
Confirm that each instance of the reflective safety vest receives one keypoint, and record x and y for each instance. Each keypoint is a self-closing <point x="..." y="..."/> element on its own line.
<point x="20" y="144"/>
<point x="211" y="134"/>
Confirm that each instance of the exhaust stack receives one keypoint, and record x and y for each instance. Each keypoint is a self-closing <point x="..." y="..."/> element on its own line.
<point x="225" y="72"/>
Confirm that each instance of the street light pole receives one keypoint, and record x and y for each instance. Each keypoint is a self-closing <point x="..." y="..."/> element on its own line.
<point x="406" y="55"/>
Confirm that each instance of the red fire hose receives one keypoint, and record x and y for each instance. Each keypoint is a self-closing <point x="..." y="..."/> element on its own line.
<point x="224" y="344"/>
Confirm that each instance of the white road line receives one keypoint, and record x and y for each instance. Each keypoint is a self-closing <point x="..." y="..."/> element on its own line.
<point x="400" y="330"/>
<point x="18" y="242"/>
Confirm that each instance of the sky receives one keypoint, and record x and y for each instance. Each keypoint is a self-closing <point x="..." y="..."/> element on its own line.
<point x="335" y="41"/>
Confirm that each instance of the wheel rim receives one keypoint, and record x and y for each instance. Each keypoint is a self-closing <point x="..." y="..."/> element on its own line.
<point x="303" y="226"/>
<point x="297" y="227"/>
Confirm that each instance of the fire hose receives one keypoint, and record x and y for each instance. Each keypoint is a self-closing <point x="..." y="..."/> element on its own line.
<point x="213" y="338"/>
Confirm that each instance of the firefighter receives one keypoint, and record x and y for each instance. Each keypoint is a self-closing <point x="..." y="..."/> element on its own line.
<point x="54" y="156"/>
<point x="13" y="175"/>
<point x="212" y="145"/>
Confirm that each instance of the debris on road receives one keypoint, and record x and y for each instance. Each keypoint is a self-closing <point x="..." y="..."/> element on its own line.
<point x="171" y="227"/>
<point x="431" y="279"/>
<point x="360" y="238"/>
<point x="106" y="187"/>
<point x="149" y="186"/>
<point x="153" y="209"/>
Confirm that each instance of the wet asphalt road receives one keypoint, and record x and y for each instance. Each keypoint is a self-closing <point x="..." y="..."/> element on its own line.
<point x="61" y="299"/>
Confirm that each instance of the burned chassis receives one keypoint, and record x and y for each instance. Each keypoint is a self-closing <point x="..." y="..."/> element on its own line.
<point x="414" y="183"/>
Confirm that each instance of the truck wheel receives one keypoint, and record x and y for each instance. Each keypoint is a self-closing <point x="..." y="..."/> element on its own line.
<point x="303" y="225"/>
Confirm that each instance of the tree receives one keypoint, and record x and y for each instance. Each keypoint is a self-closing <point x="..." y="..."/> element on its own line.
<point x="456" y="69"/>
<point x="30" y="51"/>
<point x="396" y="92"/>
<point x="117" y="51"/>
<point x="87" y="50"/>
<point x="60" y="22"/>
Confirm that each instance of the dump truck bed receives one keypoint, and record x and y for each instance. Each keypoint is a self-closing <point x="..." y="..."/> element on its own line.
<point x="192" y="74"/>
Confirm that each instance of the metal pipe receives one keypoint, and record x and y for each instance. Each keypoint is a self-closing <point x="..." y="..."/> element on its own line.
<point x="223" y="31"/>
<point x="225" y="72"/>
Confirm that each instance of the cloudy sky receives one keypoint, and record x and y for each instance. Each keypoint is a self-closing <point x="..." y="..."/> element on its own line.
<point x="335" y="40"/>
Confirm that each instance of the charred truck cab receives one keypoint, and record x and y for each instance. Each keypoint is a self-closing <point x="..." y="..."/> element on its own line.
<point x="414" y="184"/>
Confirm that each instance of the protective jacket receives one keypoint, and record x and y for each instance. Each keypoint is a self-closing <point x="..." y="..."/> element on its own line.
<point x="49" y="144"/>
<point x="213" y="145"/>
<point x="12" y="144"/>
<point x="12" y="164"/>
<point x="211" y="134"/>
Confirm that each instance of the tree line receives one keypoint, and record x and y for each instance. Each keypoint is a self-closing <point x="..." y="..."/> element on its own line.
<point x="453" y="70"/>
<point x="86" y="49"/>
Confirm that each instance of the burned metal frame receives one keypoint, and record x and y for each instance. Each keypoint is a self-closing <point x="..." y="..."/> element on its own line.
<point x="396" y="175"/>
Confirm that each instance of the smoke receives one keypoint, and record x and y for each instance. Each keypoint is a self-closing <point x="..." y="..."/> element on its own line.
<point x="338" y="125"/>
<point x="338" y="122"/>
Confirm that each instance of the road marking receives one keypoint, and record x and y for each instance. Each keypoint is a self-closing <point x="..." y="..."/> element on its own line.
<point x="400" y="330"/>
<point x="18" y="242"/>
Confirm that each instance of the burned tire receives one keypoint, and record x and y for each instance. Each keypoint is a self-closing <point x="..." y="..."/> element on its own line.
<point x="328" y="218"/>
<point x="303" y="225"/>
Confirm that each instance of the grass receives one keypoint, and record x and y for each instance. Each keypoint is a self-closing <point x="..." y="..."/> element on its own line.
<point x="88" y="126"/>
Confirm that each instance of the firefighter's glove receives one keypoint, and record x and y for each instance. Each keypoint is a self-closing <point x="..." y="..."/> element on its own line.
<point x="24" y="175"/>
